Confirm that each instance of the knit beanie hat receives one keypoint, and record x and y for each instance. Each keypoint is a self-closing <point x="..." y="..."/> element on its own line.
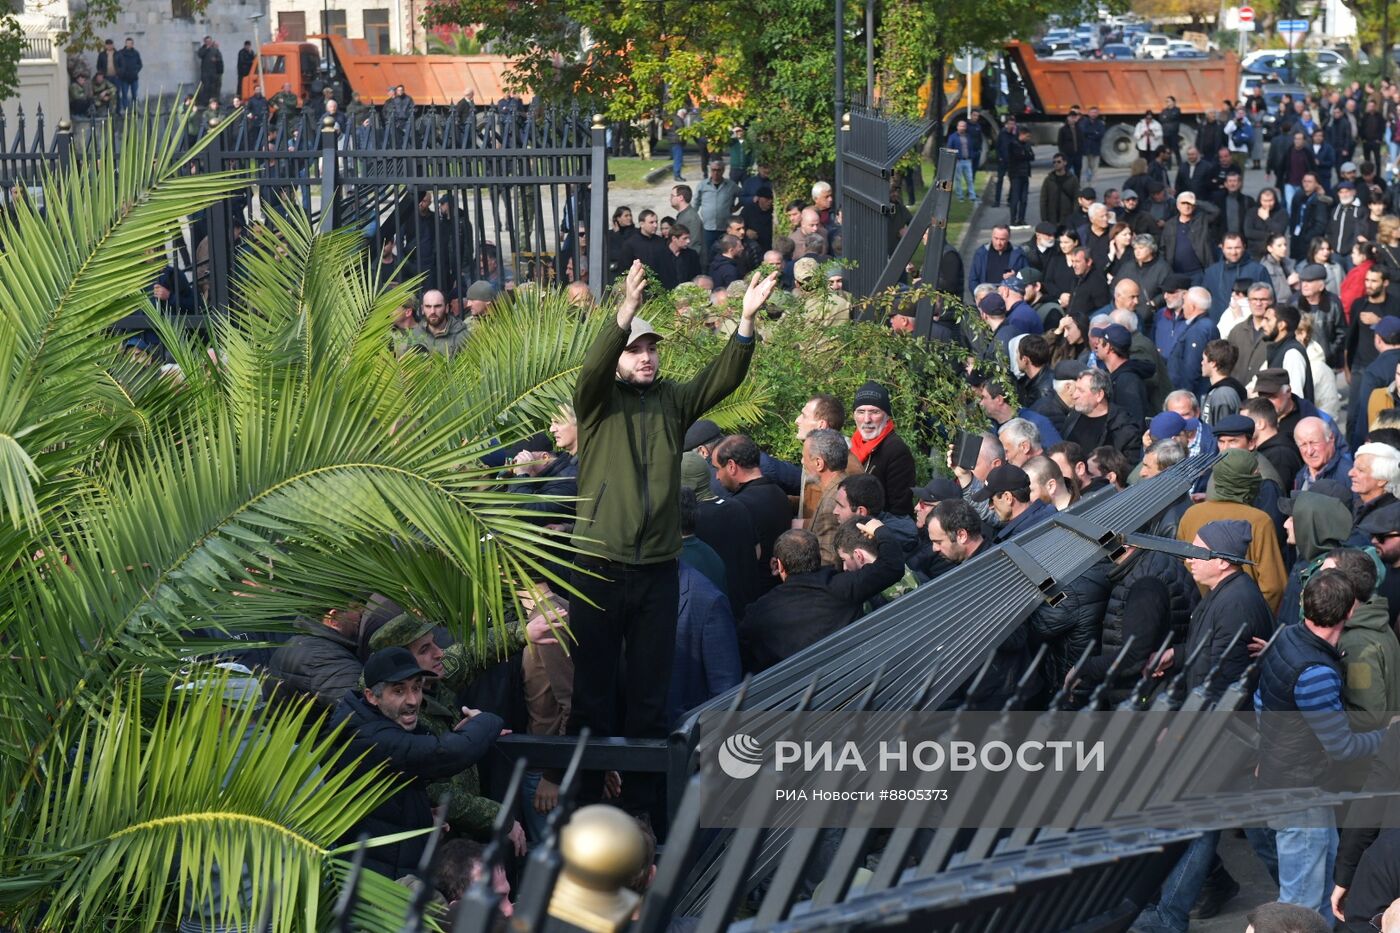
<point x="872" y="393"/>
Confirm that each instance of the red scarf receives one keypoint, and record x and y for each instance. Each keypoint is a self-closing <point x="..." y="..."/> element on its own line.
<point x="863" y="448"/>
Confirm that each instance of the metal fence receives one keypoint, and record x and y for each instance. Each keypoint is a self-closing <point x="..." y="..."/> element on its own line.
<point x="453" y="195"/>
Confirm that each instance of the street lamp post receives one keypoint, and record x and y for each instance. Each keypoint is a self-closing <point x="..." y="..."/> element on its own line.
<point x="257" y="54"/>
<point x="840" y="96"/>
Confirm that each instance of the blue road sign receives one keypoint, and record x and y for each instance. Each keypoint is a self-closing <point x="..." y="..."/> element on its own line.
<point x="1292" y="25"/>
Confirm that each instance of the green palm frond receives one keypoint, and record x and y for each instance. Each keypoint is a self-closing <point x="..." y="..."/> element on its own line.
<point x="84" y="266"/>
<point x="201" y="806"/>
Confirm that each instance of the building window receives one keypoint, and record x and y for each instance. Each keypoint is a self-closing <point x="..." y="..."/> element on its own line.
<point x="182" y="9"/>
<point x="376" y="28"/>
<point x="291" y="26"/>
<point x="333" y="23"/>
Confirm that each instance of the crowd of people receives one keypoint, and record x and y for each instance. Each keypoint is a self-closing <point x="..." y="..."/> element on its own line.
<point x="1174" y="316"/>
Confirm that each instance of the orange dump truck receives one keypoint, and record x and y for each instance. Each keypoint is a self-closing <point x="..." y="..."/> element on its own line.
<point x="1123" y="90"/>
<point x="1041" y="92"/>
<point x="431" y="80"/>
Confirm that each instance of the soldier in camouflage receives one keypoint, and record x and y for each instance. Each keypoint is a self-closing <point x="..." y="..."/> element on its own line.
<point x="285" y="102"/>
<point x="437" y="332"/>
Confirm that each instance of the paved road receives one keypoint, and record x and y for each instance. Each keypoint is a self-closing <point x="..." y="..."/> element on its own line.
<point x="980" y="224"/>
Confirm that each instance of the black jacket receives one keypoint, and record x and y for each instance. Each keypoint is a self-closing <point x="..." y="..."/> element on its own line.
<point x="1118" y="430"/>
<point x="1198" y="233"/>
<point x="727" y="526"/>
<point x="892" y="463"/>
<point x="1019" y="159"/>
<point x="1244" y="204"/>
<point x="770" y="510"/>
<point x="1330" y="327"/>
<point x="418" y="756"/>
<point x="1059" y="195"/>
<point x="1210" y="136"/>
<point x="319" y="662"/>
<point x="1195" y="179"/>
<point x="558" y="478"/>
<point x="1071" y="625"/>
<point x="1234" y="603"/>
<point x="1130" y="388"/>
<point x="807" y="607"/>
<point x="1182" y="598"/>
<point x="1089" y="292"/>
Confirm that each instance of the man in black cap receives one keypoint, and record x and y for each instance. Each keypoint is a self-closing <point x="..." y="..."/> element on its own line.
<point x="1008" y="489"/>
<point x="1232" y="603"/>
<point x="1129" y="376"/>
<point x="631" y="422"/>
<point x="1134" y="216"/>
<point x="882" y="452"/>
<point x="1329" y="323"/>
<point x="702" y="436"/>
<point x="381" y="721"/>
<point x="1041" y="248"/>
<point x="1383" y="528"/>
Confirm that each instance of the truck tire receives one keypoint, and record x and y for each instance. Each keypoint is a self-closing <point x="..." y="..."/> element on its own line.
<point x="1118" y="150"/>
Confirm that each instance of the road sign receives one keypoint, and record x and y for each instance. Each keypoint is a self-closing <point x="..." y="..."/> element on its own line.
<point x="1246" y="14"/>
<point x="969" y="62"/>
<point x="1291" y="25"/>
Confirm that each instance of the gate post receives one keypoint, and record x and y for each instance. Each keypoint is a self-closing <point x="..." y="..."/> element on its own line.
<point x="330" y="167"/>
<point x="63" y="146"/>
<point x="220" y="227"/>
<point x="598" y="207"/>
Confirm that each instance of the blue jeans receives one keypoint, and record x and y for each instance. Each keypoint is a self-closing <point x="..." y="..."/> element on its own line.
<point x="531" y="819"/>
<point x="962" y="172"/>
<point x="1289" y="193"/>
<point x="1172" y="912"/>
<point x="1305" y="858"/>
<point x="1393" y="149"/>
<point x="677" y="160"/>
<point x="126" y="92"/>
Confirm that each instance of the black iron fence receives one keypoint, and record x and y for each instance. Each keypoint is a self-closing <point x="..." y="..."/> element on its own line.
<point x="454" y="195"/>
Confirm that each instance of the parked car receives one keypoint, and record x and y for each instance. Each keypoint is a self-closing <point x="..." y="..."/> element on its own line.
<point x="1066" y="55"/>
<point x="1154" y="45"/>
<point x="1330" y="64"/>
<point x="1118" y="50"/>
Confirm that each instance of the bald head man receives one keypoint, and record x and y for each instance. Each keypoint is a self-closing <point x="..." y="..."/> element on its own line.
<point x="1126" y="293"/>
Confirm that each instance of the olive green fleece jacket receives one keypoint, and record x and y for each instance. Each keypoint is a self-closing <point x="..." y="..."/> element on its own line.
<point x="629" y="448"/>
<point x="1371" y="657"/>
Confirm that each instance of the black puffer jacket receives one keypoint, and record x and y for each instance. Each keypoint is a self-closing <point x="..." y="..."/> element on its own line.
<point x="1180" y="586"/>
<point x="319" y="662"/>
<point x="420" y="757"/>
<point x="1071" y="625"/>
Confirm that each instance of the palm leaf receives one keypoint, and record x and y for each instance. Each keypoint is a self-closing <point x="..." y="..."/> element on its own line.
<point x="171" y="800"/>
